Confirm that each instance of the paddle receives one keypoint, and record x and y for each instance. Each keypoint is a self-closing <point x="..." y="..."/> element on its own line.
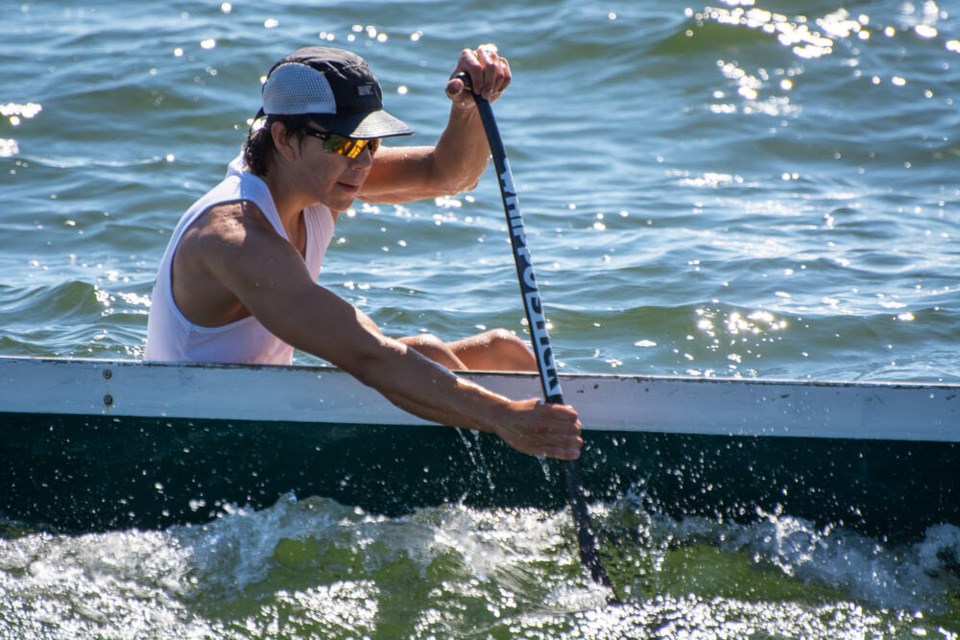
<point x="549" y="378"/>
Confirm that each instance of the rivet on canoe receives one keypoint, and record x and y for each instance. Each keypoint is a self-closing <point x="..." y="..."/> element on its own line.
<point x="107" y="374"/>
<point x="108" y="400"/>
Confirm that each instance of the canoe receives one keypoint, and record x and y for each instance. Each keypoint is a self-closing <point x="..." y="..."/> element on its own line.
<point x="103" y="444"/>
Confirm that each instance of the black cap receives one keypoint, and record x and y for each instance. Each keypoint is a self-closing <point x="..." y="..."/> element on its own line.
<point x="336" y="88"/>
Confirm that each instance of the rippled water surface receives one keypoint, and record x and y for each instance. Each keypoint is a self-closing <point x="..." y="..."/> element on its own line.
<point x="746" y="189"/>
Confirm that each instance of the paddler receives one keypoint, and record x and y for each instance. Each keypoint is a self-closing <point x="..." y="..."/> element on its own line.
<point x="238" y="281"/>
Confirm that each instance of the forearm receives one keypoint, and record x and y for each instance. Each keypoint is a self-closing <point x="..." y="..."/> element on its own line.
<point x="460" y="156"/>
<point x="422" y="387"/>
<point x="318" y="322"/>
<point x="462" y="153"/>
<point x="453" y="165"/>
<point x="426" y="389"/>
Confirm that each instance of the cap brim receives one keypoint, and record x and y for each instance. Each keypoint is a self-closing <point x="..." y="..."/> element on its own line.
<point x="374" y="124"/>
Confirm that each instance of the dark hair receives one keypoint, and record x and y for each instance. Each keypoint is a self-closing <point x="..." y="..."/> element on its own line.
<point x="258" y="148"/>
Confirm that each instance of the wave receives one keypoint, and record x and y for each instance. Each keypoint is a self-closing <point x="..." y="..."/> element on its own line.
<point x="310" y="566"/>
<point x="72" y="319"/>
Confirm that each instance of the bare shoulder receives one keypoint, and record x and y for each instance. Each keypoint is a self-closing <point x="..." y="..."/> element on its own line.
<point x="227" y="235"/>
<point x="221" y="264"/>
<point x="227" y="224"/>
<point x="223" y="238"/>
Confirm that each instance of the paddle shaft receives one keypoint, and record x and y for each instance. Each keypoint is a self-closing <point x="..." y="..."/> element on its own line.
<point x="549" y="378"/>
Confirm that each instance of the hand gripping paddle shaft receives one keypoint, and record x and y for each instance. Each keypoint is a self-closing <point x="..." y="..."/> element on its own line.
<point x="549" y="378"/>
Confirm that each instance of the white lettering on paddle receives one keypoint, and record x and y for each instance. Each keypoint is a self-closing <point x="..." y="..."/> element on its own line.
<point x="538" y="328"/>
<point x="538" y="323"/>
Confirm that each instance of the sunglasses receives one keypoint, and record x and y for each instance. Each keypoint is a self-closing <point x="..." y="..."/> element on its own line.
<point x="341" y="145"/>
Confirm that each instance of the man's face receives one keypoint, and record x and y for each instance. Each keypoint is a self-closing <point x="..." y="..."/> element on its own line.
<point x="326" y="169"/>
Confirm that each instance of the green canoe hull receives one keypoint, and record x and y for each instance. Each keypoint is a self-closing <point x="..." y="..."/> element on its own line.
<point x="104" y="472"/>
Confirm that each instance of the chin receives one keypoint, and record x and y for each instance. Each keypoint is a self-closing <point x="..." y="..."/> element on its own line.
<point x="340" y="204"/>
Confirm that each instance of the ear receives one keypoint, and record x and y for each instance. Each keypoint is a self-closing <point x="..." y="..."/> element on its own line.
<point x="283" y="141"/>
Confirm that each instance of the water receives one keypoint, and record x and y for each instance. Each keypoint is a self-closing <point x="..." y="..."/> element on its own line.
<point x="313" y="568"/>
<point x="763" y="190"/>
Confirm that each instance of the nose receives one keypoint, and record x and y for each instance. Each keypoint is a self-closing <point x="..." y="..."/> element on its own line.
<point x="363" y="159"/>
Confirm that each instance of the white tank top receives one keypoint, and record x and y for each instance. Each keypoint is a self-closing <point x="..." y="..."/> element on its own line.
<point x="173" y="338"/>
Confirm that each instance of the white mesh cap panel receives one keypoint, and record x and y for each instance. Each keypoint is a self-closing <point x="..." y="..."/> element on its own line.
<point x="295" y="88"/>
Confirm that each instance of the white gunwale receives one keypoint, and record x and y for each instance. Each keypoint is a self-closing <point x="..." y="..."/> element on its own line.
<point x="629" y="404"/>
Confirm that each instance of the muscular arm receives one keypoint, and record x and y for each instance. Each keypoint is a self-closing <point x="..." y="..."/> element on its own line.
<point x="278" y="290"/>
<point x="460" y="156"/>
<point x="455" y="164"/>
